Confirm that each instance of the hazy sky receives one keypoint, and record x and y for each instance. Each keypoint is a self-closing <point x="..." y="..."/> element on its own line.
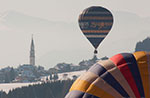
<point x="15" y="39"/>
<point x="68" y="10"/>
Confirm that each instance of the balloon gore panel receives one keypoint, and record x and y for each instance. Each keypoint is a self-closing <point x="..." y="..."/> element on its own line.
<point x="125" y="75"/>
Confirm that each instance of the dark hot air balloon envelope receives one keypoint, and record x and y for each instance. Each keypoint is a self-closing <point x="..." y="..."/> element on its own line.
<point x="95" y="23"/>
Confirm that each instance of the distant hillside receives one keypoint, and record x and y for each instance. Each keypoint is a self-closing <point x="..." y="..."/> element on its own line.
<point x="143" y="45"/>
<point x="83" y="65"/>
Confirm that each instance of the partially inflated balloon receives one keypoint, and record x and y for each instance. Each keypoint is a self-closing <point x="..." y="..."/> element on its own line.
<point x="95" y="23"/>
<point x="124" y="75"/>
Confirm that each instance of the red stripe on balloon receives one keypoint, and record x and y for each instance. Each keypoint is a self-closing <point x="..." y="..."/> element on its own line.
<point x="120" y="62"/>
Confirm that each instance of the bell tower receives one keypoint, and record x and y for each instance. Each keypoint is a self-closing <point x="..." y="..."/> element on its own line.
<point x="32" y="53"/>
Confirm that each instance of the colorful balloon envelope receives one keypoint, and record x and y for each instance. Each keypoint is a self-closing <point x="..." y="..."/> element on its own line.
<point x="95" y="23"/>
<point x="124" y="75"/>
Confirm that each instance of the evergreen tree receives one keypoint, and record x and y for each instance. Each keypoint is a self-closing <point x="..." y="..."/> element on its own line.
<point x="7" y="77"/>
<point x="3" y="94"/>
<point x="55" y="76"/>
<point x="46" y="78"/>
<point x="12" y="74"/>
<point x="50" y="77"/>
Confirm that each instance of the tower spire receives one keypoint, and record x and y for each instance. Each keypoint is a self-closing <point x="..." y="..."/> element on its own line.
<point x="32" y="52"/>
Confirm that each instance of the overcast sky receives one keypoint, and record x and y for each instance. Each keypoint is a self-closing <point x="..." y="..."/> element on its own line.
<point x="64" y="11"/>
<point x="68" y="10"/>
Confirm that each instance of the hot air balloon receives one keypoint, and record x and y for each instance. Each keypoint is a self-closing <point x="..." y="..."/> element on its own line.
<point x="95" y="22"/>
<point x="125" y="75"/>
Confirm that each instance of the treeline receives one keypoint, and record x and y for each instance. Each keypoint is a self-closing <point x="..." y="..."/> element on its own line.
<point x="143" y="45"/>
<point x="56" y="89"/>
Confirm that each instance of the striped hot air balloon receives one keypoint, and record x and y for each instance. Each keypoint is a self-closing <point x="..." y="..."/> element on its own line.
<point x="95" y="23"/>
<point x="124" y="75"/>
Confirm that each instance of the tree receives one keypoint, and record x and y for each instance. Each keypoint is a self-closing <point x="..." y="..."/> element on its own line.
<point x="50" y="77"/>
<point x="55" y="77"/>
<point x="7" y="78"/>
<point x="74" y="77"/>
<point x="12" y="74"/>
<point x="47" y="79"/>
<point x="3" y="94"/>
<point x="104" y="58"/>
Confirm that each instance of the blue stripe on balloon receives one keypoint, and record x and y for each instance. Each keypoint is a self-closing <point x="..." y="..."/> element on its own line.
<point x="95" y="41"/>
<point x="95" y="33"/>
<point x="86" y="95"/>
<point x="96" y="20"/>
<point x="106" y="76"/>
<point x="132" y="64"/>
<point x="104" y="28"/>
<point x="96" y="9"/>
<point x="97" y="69"/>
<point x="100" y="15"/>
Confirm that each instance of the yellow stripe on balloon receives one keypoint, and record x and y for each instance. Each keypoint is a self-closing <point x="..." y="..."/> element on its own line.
<point x="98" y="18"/>
<point x="141" y="59"/>
<point x="95" y="36"/>
<point x="148" y="61"/>
<point x="84" y="86"/>
<point x="95" y="31"/>
<point x="99" y="82"/>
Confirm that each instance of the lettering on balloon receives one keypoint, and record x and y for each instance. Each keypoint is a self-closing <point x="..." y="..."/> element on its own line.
<point x="84" y="25"/>
<point x="100" y="24"/>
